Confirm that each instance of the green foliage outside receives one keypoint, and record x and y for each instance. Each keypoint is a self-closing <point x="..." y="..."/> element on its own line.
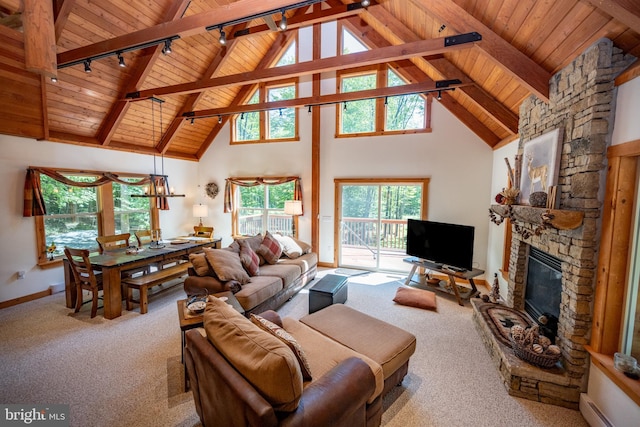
<point x="358" y="116"/>
<point x="406" y="111"/>
<point x="397" y="202"/>
<point x="282" y="123"/>
<point x="248" y="124"/>
<point x="262" y="208"/>
<point x="289" y="57"/>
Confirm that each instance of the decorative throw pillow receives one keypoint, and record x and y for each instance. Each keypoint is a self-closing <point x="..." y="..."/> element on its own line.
<point x="289" y="246"/>
<point x="200" y="264"/>
<point x="416" y="298"/>
<point x="254" y="352"/>
<point x="306" y="248"/>
<point x="249" y="259"/>
<point x="254" y="242"/>
<point x="270" y="249"/>
<point x="226" y="265"/>
<point x="286" y="338"/>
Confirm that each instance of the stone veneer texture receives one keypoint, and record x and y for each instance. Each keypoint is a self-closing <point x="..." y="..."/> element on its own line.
<point x="581" y="103"/>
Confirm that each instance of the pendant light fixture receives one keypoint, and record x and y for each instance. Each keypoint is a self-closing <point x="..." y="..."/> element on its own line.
<point x="159" y="186"/>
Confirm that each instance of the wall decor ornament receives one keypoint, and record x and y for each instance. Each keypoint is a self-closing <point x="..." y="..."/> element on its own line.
<point x="540" y="164"/>
<point x="212" y="189"/>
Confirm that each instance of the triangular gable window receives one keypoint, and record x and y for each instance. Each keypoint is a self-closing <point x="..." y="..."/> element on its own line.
<point x="350" y="44"/>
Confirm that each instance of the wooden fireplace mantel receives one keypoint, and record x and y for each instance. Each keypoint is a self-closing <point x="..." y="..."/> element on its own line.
<point x="556" y="218"/>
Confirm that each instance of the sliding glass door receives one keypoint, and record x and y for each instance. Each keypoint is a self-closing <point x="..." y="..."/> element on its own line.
<point x="372" y="233"/>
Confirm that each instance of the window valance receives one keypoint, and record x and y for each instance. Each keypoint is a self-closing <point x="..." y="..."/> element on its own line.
<point x="252" y="182"/>
<point x="34" y="201"/>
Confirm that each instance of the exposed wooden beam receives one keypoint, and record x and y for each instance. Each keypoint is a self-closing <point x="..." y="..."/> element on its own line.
<point x="471" y="121"/>
<point x="62" y="10"/>
<point x="140" y="72"/>
<point x="14" y="6"/>
<point x="185" y="27"/>
<point x="281" y="40"/>
<point x="625" y="11"/>
<point x="317" y="16"/>
<point x="505" y="55"/>
<point x="337" y="98"/>
<point x="376" y="56"/>
<point x="39" y="38"/>
<point x="496" y="110"/>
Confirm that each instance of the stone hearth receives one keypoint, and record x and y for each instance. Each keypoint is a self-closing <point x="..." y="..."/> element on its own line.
<point x="581" y="103"/>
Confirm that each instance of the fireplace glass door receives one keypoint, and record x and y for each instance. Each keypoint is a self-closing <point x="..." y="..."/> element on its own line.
<point x="543" y="290"/>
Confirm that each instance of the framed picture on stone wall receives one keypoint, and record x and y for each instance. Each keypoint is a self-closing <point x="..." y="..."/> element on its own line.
<point x="540" y="164"/>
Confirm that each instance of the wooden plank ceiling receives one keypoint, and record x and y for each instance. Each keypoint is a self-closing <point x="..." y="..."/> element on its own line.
<point x="524" y="42"/>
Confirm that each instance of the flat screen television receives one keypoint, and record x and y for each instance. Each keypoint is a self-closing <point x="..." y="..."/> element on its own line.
<point x="441" y="243"/>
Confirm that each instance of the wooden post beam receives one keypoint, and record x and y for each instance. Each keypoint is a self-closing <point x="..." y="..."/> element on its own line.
<point x="39" y="38"/>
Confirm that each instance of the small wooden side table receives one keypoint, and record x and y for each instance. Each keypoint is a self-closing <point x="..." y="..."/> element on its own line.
<point x="190" y="320"/>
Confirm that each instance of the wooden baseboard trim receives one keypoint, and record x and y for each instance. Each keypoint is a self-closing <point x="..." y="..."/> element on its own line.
<point x="26" y="298"/>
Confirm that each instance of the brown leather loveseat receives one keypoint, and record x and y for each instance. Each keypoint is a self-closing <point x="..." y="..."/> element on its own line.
<point x="268" y="371"/>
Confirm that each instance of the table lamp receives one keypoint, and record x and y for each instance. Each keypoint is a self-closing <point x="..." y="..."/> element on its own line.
<point x="293" y="208"/>
<point x="200" y="211"/>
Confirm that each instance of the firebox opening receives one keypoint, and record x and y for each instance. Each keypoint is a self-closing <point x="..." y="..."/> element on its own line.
<point x="543" y="291"/>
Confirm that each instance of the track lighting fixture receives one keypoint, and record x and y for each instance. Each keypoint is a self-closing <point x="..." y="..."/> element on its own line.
<point x="220" y="119"/>
<point x="309" y="110"/>
<point x="87" y="66"/>
<point x="54" y="80"/>
<point x="167" y="47"/>
<point x="365" y="3"/>
<point x="345" y="107"/>
<point x="439" y="97"/>
<point x="223" y="38"/>
<point x="193" y="121"/>
<point x="121" y="60"/>
<point x="283" y="21"/>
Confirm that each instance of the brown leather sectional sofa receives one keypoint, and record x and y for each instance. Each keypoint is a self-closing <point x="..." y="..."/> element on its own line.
<point x="242" y="374"/>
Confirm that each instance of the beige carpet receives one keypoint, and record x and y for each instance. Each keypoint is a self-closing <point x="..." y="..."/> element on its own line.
<point x="127" y="371"/>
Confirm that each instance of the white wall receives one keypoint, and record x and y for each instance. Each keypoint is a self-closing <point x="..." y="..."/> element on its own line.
<point x="495" y="248"/>
<point x="611" y="401"/>
<point x="17" y="234"/>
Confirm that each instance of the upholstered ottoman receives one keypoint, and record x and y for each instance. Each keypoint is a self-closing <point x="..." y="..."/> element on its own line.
<point x="331" y="289"/>
<point x="384" y="343"/>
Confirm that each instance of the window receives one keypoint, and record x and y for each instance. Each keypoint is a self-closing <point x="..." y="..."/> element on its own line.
<point x="72" y="214"/>
<point x="76" y="215"/>
<point x="131" y="214"/>
<point x="261" y="209"/>
<point x="271" y="125"/>
<point x="402" y="113"/>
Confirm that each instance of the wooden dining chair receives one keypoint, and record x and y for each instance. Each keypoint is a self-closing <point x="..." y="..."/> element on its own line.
<point x="114" y="241"/>
<point x="84" y="277"/>
<point x="203" y="231"/>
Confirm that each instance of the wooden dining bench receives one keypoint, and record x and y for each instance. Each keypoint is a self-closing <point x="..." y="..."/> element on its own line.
<point x="143" y="283"/>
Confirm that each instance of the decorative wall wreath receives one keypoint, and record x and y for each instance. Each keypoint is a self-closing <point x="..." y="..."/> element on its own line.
<point x="212" y="190"/>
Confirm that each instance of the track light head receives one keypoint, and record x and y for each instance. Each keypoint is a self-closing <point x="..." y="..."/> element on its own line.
<point x="223" y="38"/>
<point x="365" y="3"/>
<point x="54" y="79"/>
<point x="87" y="66"/>
<point x="167" y="47"/>
<point x="193" y="121"/>
<point x="439" y="97"/>
<point x="220" y="119"/>
<point x="283" y="21"/>
<point x="121" y="60"/>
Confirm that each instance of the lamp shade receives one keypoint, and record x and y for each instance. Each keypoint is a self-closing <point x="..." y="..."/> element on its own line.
<point x="200" y="211"/>
<point x="293" y="207"/>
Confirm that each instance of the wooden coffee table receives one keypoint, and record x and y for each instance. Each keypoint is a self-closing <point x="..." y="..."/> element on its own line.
<point x="190" y="320"/>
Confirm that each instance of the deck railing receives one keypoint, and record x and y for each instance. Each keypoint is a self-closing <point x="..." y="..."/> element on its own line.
<point x="362" y="232"/>
<point x="251" y="225"/>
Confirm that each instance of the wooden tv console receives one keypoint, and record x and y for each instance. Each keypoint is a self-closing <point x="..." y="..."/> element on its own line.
<point x="461" y="292"/>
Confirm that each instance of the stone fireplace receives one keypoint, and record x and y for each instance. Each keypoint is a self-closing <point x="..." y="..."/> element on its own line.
<point x="582" y="103"/>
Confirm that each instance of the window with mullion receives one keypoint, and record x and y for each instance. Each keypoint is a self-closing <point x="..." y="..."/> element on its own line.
<point x="261" y="209"/>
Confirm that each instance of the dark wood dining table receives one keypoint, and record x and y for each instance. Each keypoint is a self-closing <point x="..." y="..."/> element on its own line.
<point x="113" y="263"/>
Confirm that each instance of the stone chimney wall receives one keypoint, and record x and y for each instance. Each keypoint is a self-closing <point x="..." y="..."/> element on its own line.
<point x="581" y="102"/>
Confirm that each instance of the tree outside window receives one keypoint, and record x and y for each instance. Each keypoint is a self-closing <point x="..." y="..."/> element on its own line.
<point x="358" y="116"/>
<point x="261" y="209"/>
